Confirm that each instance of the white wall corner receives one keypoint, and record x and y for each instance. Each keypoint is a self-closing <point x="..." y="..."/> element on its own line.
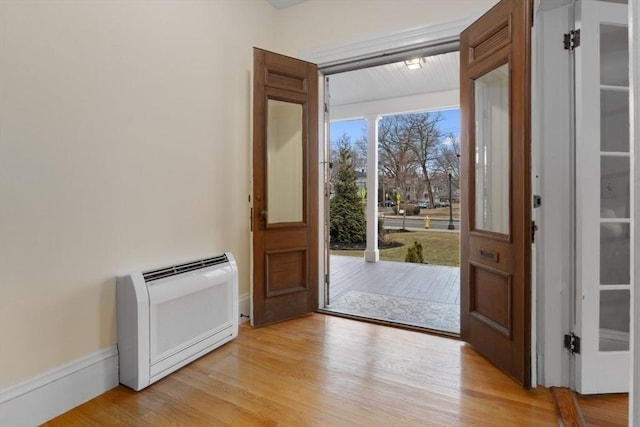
<point x="244" y="307"/>
<point x="41" y="398"/>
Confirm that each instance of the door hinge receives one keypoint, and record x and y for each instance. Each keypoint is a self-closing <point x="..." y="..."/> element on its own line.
<point x="534" y="228"/>
<point x="251" y="220"/>
<point x="537" y="201"/>
<point x="571" y="40"/>
<point x="326" y="107"/>
<point x="572" y="343"/>
<point x="326" y="279"/>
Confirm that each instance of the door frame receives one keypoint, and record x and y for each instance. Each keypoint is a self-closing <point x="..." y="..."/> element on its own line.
<point x="357" y="52"/>
<point x="402" y="41"/>
<point x="550" y="130"/>
<point x="634" y="81"/>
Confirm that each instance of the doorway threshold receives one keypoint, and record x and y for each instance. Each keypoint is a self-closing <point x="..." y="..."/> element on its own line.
<point x="393" y="324"/>
<point x="416" y="296"/>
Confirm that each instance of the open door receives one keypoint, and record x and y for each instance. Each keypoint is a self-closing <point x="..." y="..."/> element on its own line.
<point x="495" y="264"/>
<point x="285" y="188"/>
<point x="604" y="203"/>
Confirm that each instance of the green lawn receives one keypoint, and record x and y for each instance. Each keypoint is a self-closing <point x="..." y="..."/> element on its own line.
<point x="439" y="248"/>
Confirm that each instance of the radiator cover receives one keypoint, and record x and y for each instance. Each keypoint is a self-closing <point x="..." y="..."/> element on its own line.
<point x="170" y="316"/>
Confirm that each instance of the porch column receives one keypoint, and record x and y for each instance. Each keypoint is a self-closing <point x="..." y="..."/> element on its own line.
<point x="372" y="254"/>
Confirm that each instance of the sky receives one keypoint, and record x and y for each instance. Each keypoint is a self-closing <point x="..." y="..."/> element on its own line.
<point x="356" y="129"/>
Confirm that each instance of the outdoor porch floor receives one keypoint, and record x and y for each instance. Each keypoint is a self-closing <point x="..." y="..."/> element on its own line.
<point x="422" y="295"/>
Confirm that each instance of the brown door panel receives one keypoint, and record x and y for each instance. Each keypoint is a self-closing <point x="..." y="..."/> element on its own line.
<point x="495" y="254"/>
<point x="495" y="264"/>
<point x="286" y="271"/>
<point x="490" y="298"/>
<point x="285" y="248"/>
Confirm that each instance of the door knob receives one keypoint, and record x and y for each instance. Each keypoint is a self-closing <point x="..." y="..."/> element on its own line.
<point x="263" y="218"/>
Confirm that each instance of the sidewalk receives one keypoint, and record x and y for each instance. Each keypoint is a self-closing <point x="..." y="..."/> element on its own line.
<point x="435" y="213"/>
<point x="421" y="216"/>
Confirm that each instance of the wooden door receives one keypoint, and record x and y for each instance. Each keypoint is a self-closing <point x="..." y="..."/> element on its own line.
<point x="285" y="188"/>
<point x="496" y="217"/>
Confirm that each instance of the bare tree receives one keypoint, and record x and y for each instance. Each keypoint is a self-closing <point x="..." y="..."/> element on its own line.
<point x="360" y="147"/>
<point x="449" y="156"/>
<point x="425" y="138"/>
<point x="396" y="158"/>
<point x="449" y="160"/>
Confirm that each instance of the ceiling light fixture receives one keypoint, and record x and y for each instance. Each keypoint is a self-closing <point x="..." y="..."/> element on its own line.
<point x="414" y="64"/>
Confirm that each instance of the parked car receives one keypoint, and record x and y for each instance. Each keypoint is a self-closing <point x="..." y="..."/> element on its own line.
<point x="388" y="203"/>
<point x="423" y="204"/>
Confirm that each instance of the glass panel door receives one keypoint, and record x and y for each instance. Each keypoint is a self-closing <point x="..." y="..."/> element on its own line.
<point x="603" y="196"/>
<point x="615" y="203"/>
<point x="284" y="162"/>
<point x="492" y="151"/>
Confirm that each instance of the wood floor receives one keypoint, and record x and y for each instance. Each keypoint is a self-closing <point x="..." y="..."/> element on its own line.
<point x="323" y="370"/>
<point x="610" y="410"/>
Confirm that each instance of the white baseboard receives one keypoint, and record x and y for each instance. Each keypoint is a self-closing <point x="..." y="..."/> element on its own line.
<point x="244" y="303"/>
<point x="52" y="393"/>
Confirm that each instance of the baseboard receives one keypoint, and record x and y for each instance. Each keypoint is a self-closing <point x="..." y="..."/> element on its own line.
<point x="52" y="393"/>
<point x="244" y="307"/>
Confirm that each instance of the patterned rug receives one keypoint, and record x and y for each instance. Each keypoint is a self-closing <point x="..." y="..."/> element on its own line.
<point x="409" y="311"/>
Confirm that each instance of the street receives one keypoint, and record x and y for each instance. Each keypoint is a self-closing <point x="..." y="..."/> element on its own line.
<point x="418" y="223"/>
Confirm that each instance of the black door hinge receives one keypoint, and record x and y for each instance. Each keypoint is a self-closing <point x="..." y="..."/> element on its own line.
<point x="572" y="343"/>
<point x="571" y="39"/>
<point x="537" y="201"/>
<point x="534" y="228"/>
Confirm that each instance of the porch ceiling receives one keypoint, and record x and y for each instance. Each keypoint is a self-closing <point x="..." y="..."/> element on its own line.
<point x="439" y="73"/>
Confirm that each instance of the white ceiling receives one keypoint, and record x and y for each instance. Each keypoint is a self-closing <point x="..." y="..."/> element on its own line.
<point x="439" y="73"/>
<point x="283" y="4"/>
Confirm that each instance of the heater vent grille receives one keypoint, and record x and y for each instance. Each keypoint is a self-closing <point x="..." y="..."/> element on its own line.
<point x="174" y="270"/>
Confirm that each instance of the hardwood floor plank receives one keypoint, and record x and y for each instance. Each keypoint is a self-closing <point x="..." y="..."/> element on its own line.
<point x="610" y="410"/>
<point x="327" y="371"/>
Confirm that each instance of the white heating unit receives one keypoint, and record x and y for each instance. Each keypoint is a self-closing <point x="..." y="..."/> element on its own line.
<point x="170" y="316"/>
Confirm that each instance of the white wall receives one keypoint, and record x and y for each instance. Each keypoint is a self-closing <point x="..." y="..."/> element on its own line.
<point x="124" y="145"/>
<point x="323" y="23"/>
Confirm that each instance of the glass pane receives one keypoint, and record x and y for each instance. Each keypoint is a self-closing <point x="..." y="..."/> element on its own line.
<point x="614" y="55"/>
<point x="614" y="127"/>
<point x="614" y="320"/>
<point x="284" y="162"/>
<point x="614" y="187"/>
<point x="615" y="255"/>
<point x="492" y="151"/>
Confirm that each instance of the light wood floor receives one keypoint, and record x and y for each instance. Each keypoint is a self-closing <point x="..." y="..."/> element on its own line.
<point x="322" y="370"/>
<point x="605" y="410"/>
<point x="435" y="283"/>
